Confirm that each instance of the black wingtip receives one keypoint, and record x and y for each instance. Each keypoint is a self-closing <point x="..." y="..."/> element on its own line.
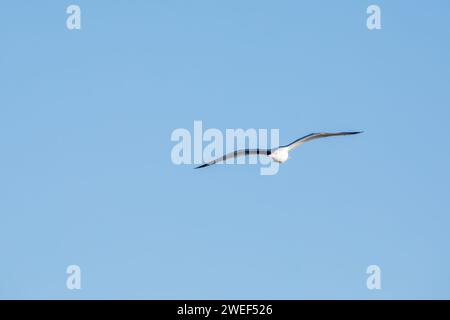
<point x="202" y="166"/>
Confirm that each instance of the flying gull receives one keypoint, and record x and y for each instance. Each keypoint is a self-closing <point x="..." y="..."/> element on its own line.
<point x="280" y="154"/>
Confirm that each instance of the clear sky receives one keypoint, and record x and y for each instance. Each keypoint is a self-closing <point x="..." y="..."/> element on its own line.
<point x="86" y="176"/>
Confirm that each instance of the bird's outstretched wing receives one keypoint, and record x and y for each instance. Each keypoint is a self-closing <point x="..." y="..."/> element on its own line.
<point x="314" y="136"/>
<point x="235" y="154"/>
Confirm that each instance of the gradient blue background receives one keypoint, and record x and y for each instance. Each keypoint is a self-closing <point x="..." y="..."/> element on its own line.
<point x="86" y="176"/>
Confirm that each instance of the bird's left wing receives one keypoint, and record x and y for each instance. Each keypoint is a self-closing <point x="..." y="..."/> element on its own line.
<point x="235" y="154"/>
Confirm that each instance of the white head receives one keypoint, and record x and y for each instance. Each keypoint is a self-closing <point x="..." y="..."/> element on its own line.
<point x="280" y="155"/>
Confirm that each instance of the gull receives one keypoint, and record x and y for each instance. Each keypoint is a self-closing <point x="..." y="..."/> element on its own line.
<point x="280" y="154"/>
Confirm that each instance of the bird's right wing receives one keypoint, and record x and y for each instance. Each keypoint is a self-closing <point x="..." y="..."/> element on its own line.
<point x="314" y="136"/>
<point x="235" y="154"/>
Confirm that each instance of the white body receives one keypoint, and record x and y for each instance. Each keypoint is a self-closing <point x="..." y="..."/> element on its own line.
<point x="280" y="155"/>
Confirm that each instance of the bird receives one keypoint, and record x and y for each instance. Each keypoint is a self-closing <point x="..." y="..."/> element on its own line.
<point x="280" y="154"/>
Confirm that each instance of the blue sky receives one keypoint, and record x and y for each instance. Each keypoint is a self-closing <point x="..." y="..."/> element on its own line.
<point x="86" y="176"/>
